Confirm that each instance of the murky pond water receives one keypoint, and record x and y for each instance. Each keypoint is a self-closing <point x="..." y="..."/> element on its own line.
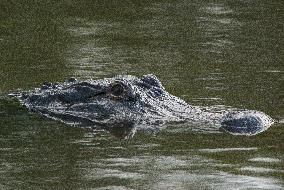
<point x="206" y="52"/>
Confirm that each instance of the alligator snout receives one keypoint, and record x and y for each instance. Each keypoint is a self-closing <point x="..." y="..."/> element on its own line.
<point x="245" y="122"/>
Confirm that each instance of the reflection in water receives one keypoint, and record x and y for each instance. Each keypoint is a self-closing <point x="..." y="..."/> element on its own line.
<point x="227" y="149"/>
<point x="226" y="53"/>
<point x="180" y="171"/>
<point x="215" y="25"/>
<point x="261" y="170"/>
<point x="36" y="156"/>
<point x="269" y="160"/>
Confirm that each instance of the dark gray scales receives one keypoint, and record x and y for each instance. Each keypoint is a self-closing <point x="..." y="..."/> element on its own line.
<point x="139" y="102"/>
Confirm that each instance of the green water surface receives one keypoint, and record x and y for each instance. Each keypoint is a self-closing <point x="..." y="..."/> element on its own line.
<point x="221" y="52"/>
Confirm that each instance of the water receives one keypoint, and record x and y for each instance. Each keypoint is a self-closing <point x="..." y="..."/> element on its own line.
<point x="207" y="52"/>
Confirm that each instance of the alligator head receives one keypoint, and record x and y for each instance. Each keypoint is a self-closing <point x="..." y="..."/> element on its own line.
<point x="131" y="101"/>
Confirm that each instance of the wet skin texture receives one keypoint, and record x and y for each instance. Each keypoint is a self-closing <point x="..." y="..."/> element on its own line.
<point x="126" y="102"/>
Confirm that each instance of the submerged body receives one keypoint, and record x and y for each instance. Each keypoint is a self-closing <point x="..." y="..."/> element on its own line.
<point x="132" y="101"/>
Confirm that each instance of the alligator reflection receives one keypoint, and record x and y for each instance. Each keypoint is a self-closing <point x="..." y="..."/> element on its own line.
<point x="122" y="130"/>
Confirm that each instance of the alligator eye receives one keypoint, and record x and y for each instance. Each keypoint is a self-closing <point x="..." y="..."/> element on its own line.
<point x="117" y="90"/>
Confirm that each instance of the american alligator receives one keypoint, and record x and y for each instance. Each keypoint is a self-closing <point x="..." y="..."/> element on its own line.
<point x="132" y="101"/>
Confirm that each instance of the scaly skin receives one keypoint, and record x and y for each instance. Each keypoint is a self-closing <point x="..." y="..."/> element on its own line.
<point x="131" y="101"/>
